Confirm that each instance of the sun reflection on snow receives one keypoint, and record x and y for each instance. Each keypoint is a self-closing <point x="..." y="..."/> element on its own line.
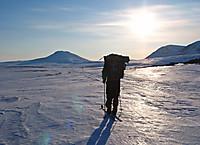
<point x="143" y="90"/>
<point x="150" y="73"/>
<point x="148" y="119"/>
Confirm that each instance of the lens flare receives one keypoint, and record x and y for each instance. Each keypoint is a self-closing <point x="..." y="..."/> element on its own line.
<point x="77" y="105"/>
<point x="45" y="139"/>
<point x="68" y="124"/>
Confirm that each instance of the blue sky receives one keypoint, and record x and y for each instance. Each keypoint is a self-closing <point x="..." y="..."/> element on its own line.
<point x="36" y="28"/>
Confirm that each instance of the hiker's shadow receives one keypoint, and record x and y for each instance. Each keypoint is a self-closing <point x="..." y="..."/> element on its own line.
<point x="101" y="134"/>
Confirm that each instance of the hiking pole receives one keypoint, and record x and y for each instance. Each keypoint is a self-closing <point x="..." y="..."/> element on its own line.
<point x="104" y="94"/>
<point x="103" y="105"/>
<point x="120" y="101"/>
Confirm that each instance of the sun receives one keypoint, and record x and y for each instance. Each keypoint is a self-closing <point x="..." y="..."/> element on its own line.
<point x="143" y="23"/>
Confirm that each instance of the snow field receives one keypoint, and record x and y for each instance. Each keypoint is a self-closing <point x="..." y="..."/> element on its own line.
<point x="61" y="105"/>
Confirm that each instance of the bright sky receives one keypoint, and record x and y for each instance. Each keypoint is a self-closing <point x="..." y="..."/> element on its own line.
<point x="93" y="28"/>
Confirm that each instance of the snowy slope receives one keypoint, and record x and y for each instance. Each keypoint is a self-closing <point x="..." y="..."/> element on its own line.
<point x="193" y="48"/>
<point x="61" y="105"/>
<point x="175" y="50"/>
<point x="168" y="60"/>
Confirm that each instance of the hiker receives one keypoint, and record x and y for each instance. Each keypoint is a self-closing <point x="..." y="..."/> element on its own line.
<point x="113" y="71"/>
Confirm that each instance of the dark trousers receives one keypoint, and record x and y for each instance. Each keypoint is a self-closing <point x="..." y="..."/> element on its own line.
<point x="112" y="93"/>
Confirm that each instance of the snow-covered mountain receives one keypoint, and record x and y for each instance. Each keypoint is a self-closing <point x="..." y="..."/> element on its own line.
<point x="173" y="54"/>
<point x="193" y="48"/>
<point x="165" y="51"/>
<point x="175" y="50"/>
<point x="64" y="57"/>
<point x="60" y="57"/>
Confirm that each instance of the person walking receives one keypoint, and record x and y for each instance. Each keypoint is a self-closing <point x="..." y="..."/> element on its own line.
<point x="113" y="71"/>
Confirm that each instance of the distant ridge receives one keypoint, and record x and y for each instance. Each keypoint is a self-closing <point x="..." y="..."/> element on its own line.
<point x="64" y="57"/>
<point x="175" y="50"/>
<point x="170" y="54"/>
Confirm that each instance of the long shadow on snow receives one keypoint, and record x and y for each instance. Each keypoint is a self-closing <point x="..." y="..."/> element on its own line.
<point x="101" y="134"/>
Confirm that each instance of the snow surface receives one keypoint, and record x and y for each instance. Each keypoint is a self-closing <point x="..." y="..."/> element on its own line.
<point x="61" y="105"/>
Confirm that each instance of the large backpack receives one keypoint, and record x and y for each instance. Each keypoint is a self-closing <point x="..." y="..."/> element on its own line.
<point x="114" y="66"/>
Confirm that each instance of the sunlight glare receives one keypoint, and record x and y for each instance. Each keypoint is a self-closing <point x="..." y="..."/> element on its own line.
<point x="143" y="23"/>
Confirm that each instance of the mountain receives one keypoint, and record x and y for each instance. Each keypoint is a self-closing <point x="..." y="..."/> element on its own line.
<point x="173" y="54"/>
<point x="60" y="57"/>
<point x="64" y="57"/>
<point x="193" y="48"/>
<point x="175" y="50"/>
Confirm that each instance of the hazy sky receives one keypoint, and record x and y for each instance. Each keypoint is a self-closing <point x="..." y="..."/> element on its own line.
<point x="93" y="28"/>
